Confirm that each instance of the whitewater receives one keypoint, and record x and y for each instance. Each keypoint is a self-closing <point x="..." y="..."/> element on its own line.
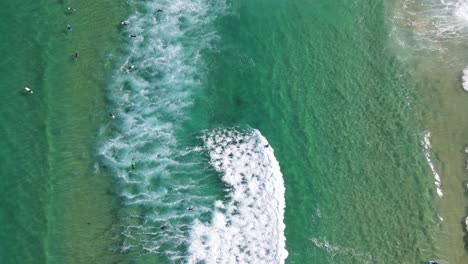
<point x="229" y="178"/>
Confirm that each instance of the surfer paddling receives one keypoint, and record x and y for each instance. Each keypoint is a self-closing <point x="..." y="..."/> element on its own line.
<point x="130" y="68"/>
<point x="71" y="9"/>
<point x="28" y="90"/>
<point x="125" y="23"/>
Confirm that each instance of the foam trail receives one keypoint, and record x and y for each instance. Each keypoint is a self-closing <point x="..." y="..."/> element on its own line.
<point x="150" y="102"/>
<point x="427" y="153"/>
<point x="465" y="79"/>
<point x="337" y="252"/>
<point x="247" y="227"/>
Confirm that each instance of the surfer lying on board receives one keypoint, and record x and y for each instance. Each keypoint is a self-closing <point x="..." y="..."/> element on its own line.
<point x="28" y="90"/>
<point x="133" y="164"/>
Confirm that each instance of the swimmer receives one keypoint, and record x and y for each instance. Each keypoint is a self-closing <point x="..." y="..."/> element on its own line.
<point x="112" y="115"/>
<point x="69" y="27"/>
<point x="125" y="23"/>
<point x="28" y="90"/>
<point x="76" y="55"/>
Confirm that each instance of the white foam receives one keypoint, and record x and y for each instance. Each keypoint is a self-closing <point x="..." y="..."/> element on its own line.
<point x="247" y="227"/>
<point x="427" y="153"/>
<point x="150" y="104"/>
<point x="344" y="252"/>
<point x="465" y="79"/>
<point x="431" y="22"/>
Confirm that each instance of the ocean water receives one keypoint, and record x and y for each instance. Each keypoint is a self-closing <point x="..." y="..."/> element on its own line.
<point x="240" y="132"/>
<point x="217" y="86"/>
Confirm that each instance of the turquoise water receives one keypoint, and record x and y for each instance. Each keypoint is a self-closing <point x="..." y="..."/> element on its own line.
<point x="262" y="132"/>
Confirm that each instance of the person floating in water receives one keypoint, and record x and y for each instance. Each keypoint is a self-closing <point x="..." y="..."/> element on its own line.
<point x="133" y="164"/>
<point x="76" y="55"/>
<point x="125" y="23"/>
<point x="28" y="90"/>
<point x="133" y="36"/>
<point x="69" y="27"/>
<point x="71" y="9"/>
<point x="112" y="115"/>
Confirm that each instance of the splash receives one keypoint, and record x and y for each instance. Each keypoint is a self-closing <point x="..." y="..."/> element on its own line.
<point x="465" y="79"/>
<point x="427" y="153"/>
<point x="247" y="227"/>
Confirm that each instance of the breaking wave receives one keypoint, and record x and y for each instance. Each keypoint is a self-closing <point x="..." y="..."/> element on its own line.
<point x="247" y="226"/>
<point x="427" y="24"/>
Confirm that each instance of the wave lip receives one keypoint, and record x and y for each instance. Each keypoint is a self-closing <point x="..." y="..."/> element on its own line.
<point x="427" y="153"/>
<point x="248" y="226"/>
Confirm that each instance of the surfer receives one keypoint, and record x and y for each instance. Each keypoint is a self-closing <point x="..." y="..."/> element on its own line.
<point x="28" y="90"/>
<point x="190" y="208"/>
<point x="69" y="27"/>
<point x="76" y="55"/>
<point x="163" y="227"/>
<point x="133" y="164"/>
<point x="133" y="36"/>
<point x="125" y="23"/>
<point x="130" y="68"/>
<point x="267" y="145"/>
<point x="159" y="10"/>
<point x="71" y="9"/>
<point x="111" y="115"/>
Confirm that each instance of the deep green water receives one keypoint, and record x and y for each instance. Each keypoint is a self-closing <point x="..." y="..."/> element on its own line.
<point x="316" y="78"/>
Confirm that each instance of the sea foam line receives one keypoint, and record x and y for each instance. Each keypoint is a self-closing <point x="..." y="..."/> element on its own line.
<point x="427" y="153"/>
<point x="247" y="227"/>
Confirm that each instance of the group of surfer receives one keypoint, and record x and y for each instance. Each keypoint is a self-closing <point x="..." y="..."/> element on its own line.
<point x="129" y="69"/>
<point x="75" y="55"/>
